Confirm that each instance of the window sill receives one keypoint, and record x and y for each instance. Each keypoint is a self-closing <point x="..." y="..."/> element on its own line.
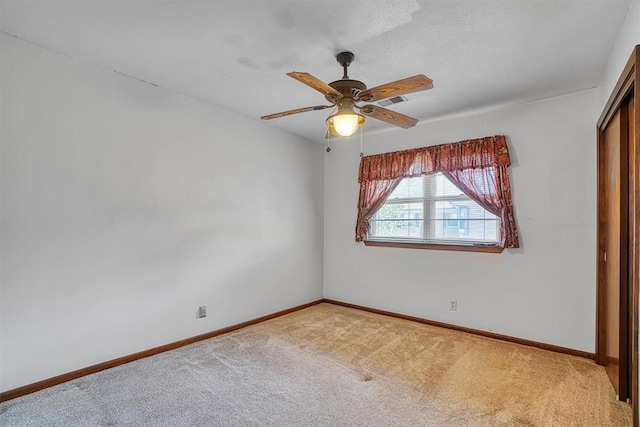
<point x="460" y="248"/>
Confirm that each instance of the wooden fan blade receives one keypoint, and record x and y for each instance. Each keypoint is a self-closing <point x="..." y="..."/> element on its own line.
<point x="317" y="84"/>
<point x="400" y="87"/>
<point x="296" y="111"/>
<point x="388" y="116"/>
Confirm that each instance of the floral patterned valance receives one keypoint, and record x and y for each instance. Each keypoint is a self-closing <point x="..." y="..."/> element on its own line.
<point x="470" y="154"/>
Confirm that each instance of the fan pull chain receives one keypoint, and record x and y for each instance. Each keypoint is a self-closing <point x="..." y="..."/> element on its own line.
<point x="361" y="150"/>
<point x="328" y="147"/>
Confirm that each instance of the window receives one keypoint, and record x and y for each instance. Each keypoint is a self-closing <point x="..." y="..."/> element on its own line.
<point x="431" y="210"/>
<point x="451" y="196"/>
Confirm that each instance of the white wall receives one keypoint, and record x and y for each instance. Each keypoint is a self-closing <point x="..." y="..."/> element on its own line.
<point x="544" y="291"/>
<point x="126" y="206"/>
<point x="627" y="39"/>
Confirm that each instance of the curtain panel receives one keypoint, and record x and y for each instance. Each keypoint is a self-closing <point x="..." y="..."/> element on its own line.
<point x="478" y="167"/>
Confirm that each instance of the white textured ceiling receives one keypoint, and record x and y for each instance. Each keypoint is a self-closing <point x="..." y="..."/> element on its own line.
<point x="235" y="54"/>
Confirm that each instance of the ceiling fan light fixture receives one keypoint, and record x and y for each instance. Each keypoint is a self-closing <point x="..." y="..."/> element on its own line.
<point x="345" y="122"/>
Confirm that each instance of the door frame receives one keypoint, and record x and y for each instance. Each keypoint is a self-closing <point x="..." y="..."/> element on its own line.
<point x="625" y="87"/>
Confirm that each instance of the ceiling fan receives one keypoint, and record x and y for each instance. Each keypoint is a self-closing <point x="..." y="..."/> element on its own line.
<point x="346" y="93"/>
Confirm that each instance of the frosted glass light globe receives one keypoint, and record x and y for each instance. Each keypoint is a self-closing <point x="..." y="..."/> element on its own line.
<point x="345" y="122"/>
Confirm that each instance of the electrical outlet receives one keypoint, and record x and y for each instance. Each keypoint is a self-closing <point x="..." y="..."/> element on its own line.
<point x="202" y="311"/>
<point x="453" y="305"/>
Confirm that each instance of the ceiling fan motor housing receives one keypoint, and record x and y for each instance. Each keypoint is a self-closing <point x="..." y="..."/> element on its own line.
<point x="347" y="87"/>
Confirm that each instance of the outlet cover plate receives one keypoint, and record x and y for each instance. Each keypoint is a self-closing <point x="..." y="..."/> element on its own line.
<point x="202" y="311"/>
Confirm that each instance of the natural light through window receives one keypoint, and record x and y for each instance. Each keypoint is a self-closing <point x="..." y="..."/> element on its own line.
<point x="430" y="209"/>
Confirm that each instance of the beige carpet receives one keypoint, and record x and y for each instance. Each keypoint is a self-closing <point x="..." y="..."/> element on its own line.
<point x="474" y="380"/>
<point x="333" y="366"/>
